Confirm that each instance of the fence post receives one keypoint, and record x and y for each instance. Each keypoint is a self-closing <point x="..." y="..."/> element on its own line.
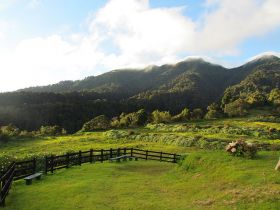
<point x="174" y="158"/>
<point x="34" y="165"/>
<point x="146" y="154"/>
<point x="111" y="153"/>
<point x="67" y="160"/>
<point x="52" y="163"/>
<point x="3" y="203"/>
<point x="160" y="156"/>
<point x="118" y="152"/>
<point x="80" y="157"/>
<point x="124" y="151"/>
<point x="102" y="156"/>
<point x="46" y="165"/>
<point x="131" y="152"/>
<point x="90" y="155"/>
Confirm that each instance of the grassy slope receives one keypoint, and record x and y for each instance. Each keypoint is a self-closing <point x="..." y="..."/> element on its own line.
<point x="159" y="138"/>
<point x="210" y="179"/>
<point x="206" y="180"/>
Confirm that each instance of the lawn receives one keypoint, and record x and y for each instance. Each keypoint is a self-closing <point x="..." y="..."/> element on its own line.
<point x="204" y="180"/>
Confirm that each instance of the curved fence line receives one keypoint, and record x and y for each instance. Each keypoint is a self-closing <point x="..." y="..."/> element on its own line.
<point x="19" y="170"/>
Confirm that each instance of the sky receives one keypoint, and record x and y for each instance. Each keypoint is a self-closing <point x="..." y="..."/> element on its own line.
<point x="46" y="41"/>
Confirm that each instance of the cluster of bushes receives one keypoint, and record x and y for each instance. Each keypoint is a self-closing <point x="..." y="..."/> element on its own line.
<point x="142" y="117"/>
<point x="11" y="131"/>
<point x="248" y="100"/>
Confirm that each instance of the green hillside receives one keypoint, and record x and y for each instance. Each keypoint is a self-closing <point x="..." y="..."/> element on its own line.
<point x="189" y="84"/>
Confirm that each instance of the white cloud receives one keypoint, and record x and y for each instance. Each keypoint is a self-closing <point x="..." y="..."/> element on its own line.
<point x="33" y="4"/>
<point x="4" y="27"/>
<point x="4" y="4"/>
<point x="232" y="22"/>
<point x="41" y="61"/>
<point x="129" y="33"/>
<point x="142" y="35"/>
<point x="269" y="53"/>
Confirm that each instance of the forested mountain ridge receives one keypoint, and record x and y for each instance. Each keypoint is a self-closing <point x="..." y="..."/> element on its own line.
<point x="157" y="78"/>
<point x="193" y="83"/>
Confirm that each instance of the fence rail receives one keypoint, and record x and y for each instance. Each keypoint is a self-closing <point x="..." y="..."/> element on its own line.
<point x="6" y="181"/>
<point x="53" y="163"/>
<point x="25" y="168"/>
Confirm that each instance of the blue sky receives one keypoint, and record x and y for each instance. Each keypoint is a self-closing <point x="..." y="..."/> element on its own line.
<point x="46" y="41"/>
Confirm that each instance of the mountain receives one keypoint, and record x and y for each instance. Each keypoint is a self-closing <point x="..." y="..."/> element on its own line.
<point x="192" y="83"/>
<point x="264" y="77"/>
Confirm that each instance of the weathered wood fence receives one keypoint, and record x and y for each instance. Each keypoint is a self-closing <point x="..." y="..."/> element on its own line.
<point x="19" y="170"/>
<point x="53" y="163"/>
<point x="6" y="180"/>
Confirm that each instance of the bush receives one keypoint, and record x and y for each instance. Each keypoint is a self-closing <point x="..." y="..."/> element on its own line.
<point x="237" y="108"/>
<point x="100" y="122"/>
<point x="197" y="114"/>
<point x="242" y="149"/>
<point x="213" y="112"/>
<point x="51" y="130"/>
<point x="183" y="116"/>
<point x="161" y="117"/>
<point x="10" y="130"/>
<point x="133" y="119"/>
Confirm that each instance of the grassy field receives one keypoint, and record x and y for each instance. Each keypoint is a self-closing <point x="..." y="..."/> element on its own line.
<point x="178" y="138"/>
<point x="205" y="180"/>
<point x="208" y="178"/>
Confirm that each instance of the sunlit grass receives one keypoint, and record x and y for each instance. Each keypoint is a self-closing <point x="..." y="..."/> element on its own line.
<point x="206" y="180"/>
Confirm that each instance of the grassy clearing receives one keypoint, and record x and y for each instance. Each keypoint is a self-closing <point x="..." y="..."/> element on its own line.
<point x="205" y="180"/>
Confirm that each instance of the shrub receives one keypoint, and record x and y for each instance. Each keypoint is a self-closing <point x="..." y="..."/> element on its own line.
<point x="197" y="114"/>
<point x="133" y="119"/>
<point x="161" y="117"/>
<point x="237" y="108"/>
<point x="274" y="96"/>
<point x="51" y="130"/>
<point x="100" y="122"/>
<point x="242" y="149"/>
<point x="10" y="130"/>
<point x="213" y="111"/>
<point x="183" y="116"/>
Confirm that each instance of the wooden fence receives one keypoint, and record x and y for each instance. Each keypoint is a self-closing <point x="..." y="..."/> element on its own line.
<point x="25" y="168"/>
<point x="19" y="170"/>
<point x="6" y="181"/>
<point x="53" y="163"/>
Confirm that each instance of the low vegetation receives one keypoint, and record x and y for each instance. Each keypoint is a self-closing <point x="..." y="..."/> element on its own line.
<point x="203" y="180"/>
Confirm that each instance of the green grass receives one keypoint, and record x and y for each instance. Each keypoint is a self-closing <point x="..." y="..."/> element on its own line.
<point x="171" y="138"/>
<point x="205" y="180"/>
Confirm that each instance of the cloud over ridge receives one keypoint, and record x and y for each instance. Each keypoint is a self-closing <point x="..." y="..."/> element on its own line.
<point x="130" y="33"/>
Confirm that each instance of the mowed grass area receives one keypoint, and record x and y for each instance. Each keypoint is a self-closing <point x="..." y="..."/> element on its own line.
<point x="204" y="180"/>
